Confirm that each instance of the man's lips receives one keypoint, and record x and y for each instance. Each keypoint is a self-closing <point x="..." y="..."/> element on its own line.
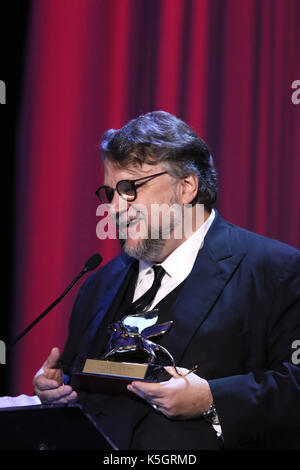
<point x="129" y="223"/>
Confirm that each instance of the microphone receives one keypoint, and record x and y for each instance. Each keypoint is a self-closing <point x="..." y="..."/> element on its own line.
<point x="91" y="264"/>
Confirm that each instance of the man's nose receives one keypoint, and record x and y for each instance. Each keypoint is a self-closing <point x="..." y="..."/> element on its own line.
<point x="118" y="205"/>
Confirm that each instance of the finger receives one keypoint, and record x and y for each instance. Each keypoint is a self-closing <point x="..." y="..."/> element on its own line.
<point x="154" y="395"/>
<point x="160" y="408"/>
<point x="60" y="393"/>
<point x="156" y="408"/>
<point x="147" y="391"/>
<point x="43" y="383"/>
<point x="67" y="400"/>
<point x="52" y="361"/>
<point x="156" y="402"/>
<point x="135" y="390"/>
<point x="138" y="392"/>
<point x="171" y="370"/>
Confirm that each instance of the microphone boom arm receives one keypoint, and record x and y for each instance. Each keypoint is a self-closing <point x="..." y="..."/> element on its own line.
<point x="91" y="264"/>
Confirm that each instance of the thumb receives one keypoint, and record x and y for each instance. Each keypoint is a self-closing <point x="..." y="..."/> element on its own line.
<point x="52" y="361"/>
<point x="171" y="370"/>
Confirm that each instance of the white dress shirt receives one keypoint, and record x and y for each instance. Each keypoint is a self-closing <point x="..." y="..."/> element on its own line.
<point x="177" y="265"/>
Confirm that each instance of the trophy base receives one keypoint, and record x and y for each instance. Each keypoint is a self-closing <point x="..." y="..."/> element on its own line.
<point x="111" y="377"/>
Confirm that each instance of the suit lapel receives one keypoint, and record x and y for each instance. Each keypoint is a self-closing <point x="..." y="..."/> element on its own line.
<point x="214" y="266"/>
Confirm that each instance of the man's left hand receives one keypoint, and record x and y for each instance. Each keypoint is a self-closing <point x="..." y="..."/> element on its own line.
<point x="181" y="397"/>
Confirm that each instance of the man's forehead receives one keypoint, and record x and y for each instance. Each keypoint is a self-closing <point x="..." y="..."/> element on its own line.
<point x="116" y="172"/>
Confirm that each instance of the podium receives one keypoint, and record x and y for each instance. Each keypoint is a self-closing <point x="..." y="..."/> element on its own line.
<point x="51" y="427"/>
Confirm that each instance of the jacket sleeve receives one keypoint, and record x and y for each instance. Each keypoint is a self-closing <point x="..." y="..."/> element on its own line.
<point x="267" y="400"/>
<point x="81" y="306"/>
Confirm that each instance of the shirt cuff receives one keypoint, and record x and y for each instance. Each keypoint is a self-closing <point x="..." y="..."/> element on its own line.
<point x="21" y="400"/>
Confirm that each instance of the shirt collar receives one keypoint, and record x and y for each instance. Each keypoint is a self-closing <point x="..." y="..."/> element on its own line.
<point x="180" y="262"/>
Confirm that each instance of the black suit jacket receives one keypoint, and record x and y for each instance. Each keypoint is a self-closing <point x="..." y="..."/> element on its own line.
<point x="237" y="317"/>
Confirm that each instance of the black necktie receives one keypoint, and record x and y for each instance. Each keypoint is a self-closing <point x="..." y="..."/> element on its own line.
<point x="146" y="299"/>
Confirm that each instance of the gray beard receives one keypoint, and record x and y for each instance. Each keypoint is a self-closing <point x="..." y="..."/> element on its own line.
<point x="148" y="249"/>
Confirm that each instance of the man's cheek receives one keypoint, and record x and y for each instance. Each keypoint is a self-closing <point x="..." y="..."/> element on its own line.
<point x="138" y="230"/>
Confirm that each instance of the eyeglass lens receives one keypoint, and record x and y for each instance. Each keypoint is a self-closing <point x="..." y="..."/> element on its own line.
<point x="126" y="189"/>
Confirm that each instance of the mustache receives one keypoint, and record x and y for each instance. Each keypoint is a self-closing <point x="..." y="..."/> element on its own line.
<point x="123" y="220"/>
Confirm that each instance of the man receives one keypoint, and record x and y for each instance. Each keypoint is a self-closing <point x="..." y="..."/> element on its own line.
<point x="233" y="297"/>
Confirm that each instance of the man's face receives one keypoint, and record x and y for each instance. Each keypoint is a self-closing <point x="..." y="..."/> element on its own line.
<point x="143" y="230"/>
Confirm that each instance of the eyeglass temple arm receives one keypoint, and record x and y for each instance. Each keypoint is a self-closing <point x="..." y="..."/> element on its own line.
<point x="148" y="177"/>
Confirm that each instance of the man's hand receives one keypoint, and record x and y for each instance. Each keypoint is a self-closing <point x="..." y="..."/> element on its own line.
<point x="48" y="385"/>
<point x="181" y="397"/>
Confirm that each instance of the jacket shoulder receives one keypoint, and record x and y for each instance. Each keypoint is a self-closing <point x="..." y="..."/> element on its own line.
<point x="112" y="268"/>
<point x="264" y="250"/>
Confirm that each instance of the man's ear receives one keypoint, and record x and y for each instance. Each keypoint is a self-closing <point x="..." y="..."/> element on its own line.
<point x="188" y="189"/>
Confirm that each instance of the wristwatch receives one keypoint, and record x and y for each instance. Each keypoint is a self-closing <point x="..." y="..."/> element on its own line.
<point x="211" y="415"/>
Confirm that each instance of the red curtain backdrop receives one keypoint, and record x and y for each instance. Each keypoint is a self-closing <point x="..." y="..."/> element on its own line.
<point x="224" y="66"/>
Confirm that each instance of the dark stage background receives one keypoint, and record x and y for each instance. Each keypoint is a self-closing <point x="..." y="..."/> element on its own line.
<point x="13" y="34"/>
<point x="224" y="66"/>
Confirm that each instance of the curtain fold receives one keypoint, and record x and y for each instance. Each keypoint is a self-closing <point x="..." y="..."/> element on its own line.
<point x="224" y="66"/>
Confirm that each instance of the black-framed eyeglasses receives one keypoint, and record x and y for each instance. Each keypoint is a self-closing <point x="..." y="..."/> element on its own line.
<point x="127" y="189"/>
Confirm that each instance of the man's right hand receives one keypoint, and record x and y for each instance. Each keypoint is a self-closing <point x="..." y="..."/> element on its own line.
<point x="48" y="385"/>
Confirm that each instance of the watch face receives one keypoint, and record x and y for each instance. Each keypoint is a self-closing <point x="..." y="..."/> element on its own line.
<point x="215" y="419"/>
<point x="211" y="416"/>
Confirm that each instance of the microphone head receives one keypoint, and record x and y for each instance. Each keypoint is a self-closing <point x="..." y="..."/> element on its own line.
<point x="93" y="262"/>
